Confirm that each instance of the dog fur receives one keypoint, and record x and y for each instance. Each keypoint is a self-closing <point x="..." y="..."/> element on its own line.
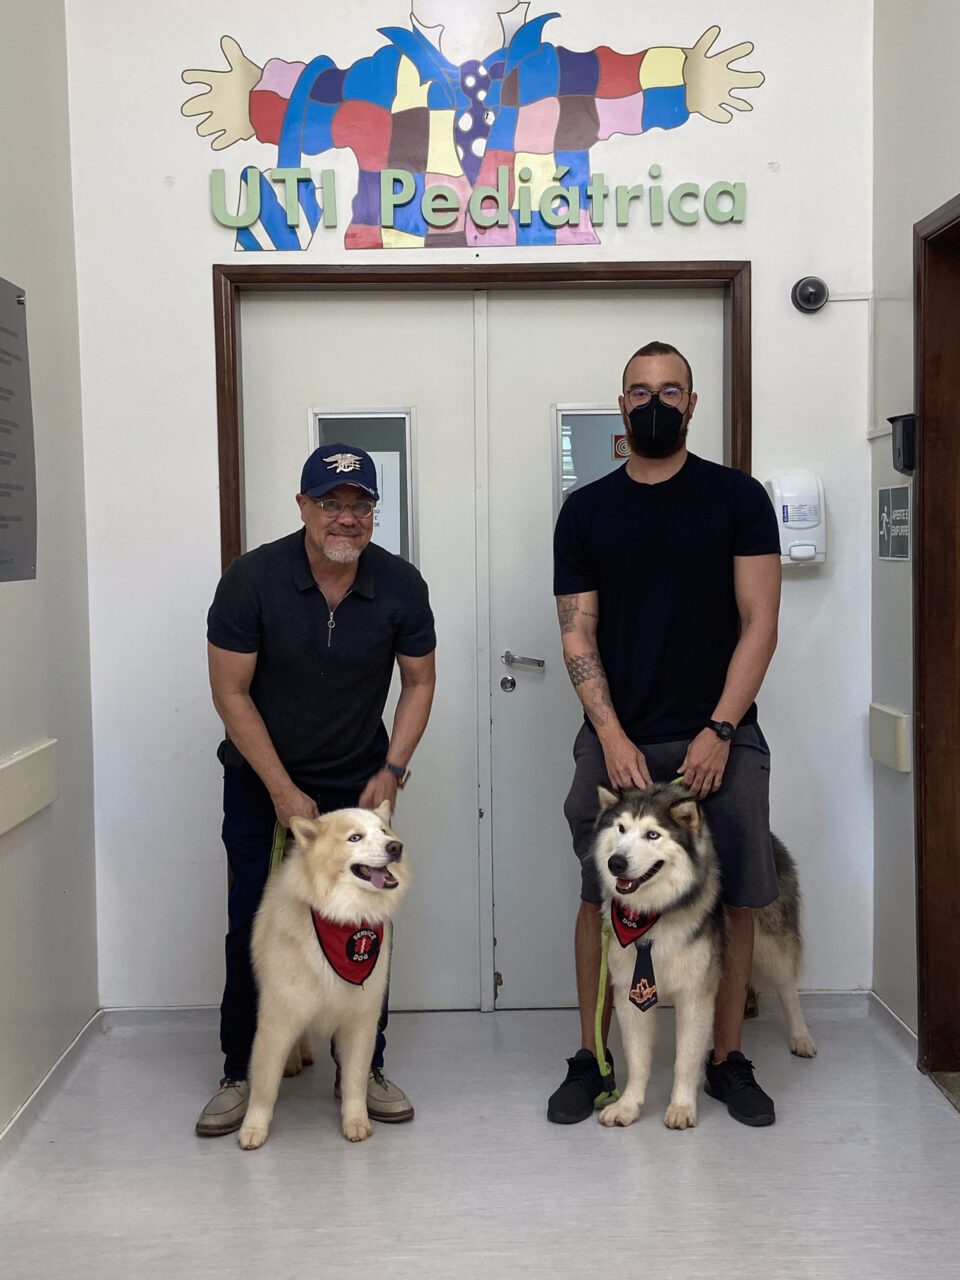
<point x="654" y="854"/>
<point x="349" y="867"/>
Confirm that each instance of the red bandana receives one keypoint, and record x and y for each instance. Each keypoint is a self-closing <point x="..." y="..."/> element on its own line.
<point x="629" y="925"/>
<point x="352" y="949"/>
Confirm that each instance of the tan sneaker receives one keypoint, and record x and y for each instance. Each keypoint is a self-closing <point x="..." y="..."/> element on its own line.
<point x="386" y="1102"/>
<point x="225" y="1111"/>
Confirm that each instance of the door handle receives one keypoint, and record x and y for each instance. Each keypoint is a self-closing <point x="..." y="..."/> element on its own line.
<point x="517" y="660"/>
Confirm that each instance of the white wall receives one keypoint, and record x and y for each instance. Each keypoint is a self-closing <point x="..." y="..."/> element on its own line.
<point x="917" y="169"/>
<point x="48" y="965"/>
<point x="145" y="244"/>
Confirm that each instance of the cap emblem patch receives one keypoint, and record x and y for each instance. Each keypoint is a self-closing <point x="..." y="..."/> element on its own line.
<point x="340" y="462"/>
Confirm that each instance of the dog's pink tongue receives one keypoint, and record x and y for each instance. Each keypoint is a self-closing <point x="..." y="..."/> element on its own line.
<point x="378" y="877"/>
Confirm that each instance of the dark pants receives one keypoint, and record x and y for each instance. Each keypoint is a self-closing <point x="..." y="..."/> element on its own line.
<point x="249" y="823"/>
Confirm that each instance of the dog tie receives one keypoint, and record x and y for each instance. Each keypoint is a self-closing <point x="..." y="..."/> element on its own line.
<point x="352" y="950"/>
<point x="630" y="927"/>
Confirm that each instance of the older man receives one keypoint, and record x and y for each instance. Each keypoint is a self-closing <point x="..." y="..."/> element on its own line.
<point x="302" y="637"/>
<point x="667" y="577"/>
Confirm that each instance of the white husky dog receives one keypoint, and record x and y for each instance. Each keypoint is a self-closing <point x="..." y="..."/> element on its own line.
<point x="321" y="955"/>
<point x="661" y="885"/>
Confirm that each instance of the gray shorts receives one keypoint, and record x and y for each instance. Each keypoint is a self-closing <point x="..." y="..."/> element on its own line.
<point x="738" y="814"/>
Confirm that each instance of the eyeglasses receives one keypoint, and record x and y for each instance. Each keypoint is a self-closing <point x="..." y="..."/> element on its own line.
<point x="668" y="395"/>
<point x="333" y="506"/>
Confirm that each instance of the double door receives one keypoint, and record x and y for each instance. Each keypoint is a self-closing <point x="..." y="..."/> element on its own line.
<point x="500" y="403"/>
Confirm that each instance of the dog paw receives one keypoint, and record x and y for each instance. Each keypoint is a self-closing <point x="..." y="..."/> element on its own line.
<point x="294" y="1064"/>
<point x="680" y="1116"/>
<point x="357" y="1130"/>
<point x="803" y="1046"/>
<point x="253" y="1136"/>
<point x="620" y="1114"/>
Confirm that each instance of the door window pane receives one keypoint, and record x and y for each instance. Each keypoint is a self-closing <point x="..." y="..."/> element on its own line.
<point x="593" y="442"/>
<point x="386" y="437"/>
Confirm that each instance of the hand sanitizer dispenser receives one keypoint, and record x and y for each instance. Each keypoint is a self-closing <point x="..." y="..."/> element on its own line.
<point x="797" y="498"/>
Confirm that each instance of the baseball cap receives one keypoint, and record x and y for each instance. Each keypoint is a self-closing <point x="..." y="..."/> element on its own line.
<point x="335" y="464"/>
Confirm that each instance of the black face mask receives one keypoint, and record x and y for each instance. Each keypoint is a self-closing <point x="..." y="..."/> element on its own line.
<point x="656" y="428"/>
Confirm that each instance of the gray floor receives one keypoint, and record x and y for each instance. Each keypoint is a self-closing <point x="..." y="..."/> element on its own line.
<point x="860" y="1176"/>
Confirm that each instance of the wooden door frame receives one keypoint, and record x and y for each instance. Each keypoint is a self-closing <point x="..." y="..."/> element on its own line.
<point x="936" y="631"/>
<point x="229" y="282"/>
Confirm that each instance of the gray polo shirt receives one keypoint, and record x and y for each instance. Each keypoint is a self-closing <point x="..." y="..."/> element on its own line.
<point x="322" y="679"/>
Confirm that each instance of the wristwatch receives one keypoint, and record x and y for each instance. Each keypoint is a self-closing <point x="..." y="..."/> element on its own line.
<point x="722" y="728"/>
<point x="401" y="774"/>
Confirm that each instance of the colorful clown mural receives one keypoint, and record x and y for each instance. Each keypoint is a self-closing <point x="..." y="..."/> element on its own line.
<point x="470" y="96"/>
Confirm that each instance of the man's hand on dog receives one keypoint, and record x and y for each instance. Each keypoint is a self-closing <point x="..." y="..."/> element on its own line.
<point x="382" y="786"/>
<point x="704" y="763"/>
<point x="291" y="802"/>
<point x="626" y="765"/>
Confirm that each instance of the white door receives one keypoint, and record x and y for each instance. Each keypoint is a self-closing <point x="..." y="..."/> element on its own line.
<point x="553" y="348"/>
<point x="359" y="354"/>
<point x="526" y="382"/>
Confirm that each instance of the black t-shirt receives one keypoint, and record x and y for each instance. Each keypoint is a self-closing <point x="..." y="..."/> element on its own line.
<point x="660" y="557"/>
<point x="321" y="689"/>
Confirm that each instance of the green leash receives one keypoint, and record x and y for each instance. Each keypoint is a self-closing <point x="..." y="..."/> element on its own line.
<point x="279" y="840"/>
<point x="606" y="1069"/>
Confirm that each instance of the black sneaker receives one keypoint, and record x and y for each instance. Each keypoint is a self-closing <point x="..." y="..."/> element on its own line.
<point x="732" y="1082"/>
<point x="574" y="1100"/>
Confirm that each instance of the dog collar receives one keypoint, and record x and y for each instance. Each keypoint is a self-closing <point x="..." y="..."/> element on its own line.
<point x="629" y="926"/>
<point x="351" y="949"/>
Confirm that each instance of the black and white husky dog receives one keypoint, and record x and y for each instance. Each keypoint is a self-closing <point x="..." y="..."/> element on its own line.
<point x="661" y="885"/>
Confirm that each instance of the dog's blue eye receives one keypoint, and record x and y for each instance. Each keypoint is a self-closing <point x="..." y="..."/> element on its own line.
<point x="355" y="837"/>
<point x="653" y="835"/>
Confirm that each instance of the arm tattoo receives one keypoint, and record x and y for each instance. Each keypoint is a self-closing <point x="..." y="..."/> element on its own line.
<point x="567" y="611"/>
<point x="585" y="669"/>
<point x="585" y="666"/>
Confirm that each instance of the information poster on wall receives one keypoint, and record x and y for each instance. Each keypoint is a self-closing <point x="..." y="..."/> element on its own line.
<point x="893" y="523"/>
<point x="386" y="523"/>
<point x="18" y="475"/>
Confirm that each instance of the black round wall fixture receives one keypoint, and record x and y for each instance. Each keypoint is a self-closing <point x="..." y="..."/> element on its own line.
<point x="810" y="294"/>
